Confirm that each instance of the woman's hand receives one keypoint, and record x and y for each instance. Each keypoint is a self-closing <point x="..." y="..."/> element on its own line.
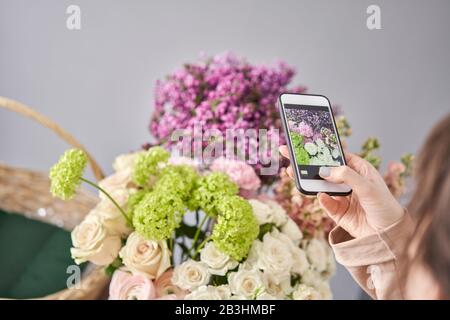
<point x="369" y="208"/>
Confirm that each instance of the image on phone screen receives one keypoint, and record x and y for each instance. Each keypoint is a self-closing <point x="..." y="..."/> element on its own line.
<point x="313" y="137"/>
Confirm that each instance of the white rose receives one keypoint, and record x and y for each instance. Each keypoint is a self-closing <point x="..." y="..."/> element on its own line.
<point x="331" y="265"/>
<point x="190" y="275"/>
<point x="314" y="280"/>
<point x="291" y="229"/>
<point x="299" y="260"/>
<point x="91" y="242"/>
<point x="276" y="287"/>
<point x="266" y="296"/>
<point x="261" y="211"/>
<point x="274" y="256"/>
<point x="126" y="161"/>
<point x="119" y="180"/>
<point x="323" y="288"/>
<point x="204" y="293"/>
<point x="113" y="219"/>
<point x="217" y="261"/>
<point x="246" y="282"/>
<point x="224" y="291"/>
<point x="317" y="254"/>
<point x="146" y="257"/>
<point x="304" y="292"/>
<point x="279" y="215"/>
<point x="311" y="277"/>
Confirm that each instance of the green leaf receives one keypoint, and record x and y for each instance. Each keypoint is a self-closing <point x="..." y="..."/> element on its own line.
<point x="188" y="231"/>
<point x="264" y="228"/>
<point x="218" y="280"/>
<point x="116" y="264"/>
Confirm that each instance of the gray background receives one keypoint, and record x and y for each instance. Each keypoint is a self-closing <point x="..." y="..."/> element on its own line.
<point x="98" y="82"/>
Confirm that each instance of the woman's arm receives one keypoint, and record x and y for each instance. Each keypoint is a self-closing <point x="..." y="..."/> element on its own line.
<point x="375" y="261"/>
<point x="372" y="227"/>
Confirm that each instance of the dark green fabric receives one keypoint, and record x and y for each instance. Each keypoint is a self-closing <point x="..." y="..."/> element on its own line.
<point x="34" y="257"/>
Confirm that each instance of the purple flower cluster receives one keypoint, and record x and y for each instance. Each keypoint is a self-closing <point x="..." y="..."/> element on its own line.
<point x="315" y="119"/>
<point x="222" y="92"/>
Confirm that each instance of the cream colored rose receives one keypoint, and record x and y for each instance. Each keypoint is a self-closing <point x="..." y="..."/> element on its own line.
<point x="331" y="265"/>
<point x="91" y="242"/>
<point x="261" y="211"/>
<point x="266" y="296"/>
<point x="146" y="257"/>
<point x="291" y="229"/>
<point x="204" y="293"/>
<point x="279" y="215"/>
<point x="304" y="292"/>
<point x="323" y="288"/>
<point x="217" y="262"/>
<point x="120" y="180"/>
<point x="311" y="277"/>
<point x="299" y="260"/>
<point x="125" y="161"/>
<point x="112" y="217"/>
<point x="224" y="291"/>
<point x="317" y="254"/>
<point x="246" y="283"/>
<point x="190" y="275"/>
<point x="274" y="256"/>
<point x="277" y="287"/>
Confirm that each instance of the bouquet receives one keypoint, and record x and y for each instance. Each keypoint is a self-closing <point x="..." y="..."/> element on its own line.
<point x="168" y="228"/>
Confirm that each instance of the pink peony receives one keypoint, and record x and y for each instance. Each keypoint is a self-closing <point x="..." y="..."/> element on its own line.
<point x="166" y="290"/>
<point x="126" y="286"/>
<point x="239" y="172"/>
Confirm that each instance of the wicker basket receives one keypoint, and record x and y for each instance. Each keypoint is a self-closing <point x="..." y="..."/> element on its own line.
<point x="27" y="192"/>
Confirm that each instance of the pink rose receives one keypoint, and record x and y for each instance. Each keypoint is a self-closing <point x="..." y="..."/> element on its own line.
<point x="239" y="172"/>
<point x="166" y="290"/>
<point x="126" y="286"/>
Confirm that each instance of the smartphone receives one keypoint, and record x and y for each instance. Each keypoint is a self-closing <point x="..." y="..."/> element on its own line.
<point x="313" y="141"/>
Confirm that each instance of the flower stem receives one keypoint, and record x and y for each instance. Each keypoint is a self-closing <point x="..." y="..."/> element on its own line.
<point x="199" y="229"/>
<point x="201" y="245"/>
<point x="109" y="197"/>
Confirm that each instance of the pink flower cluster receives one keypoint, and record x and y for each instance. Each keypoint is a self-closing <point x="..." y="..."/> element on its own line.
<point x="240" y="173"/>
<point x="127" y="286"/>
<point x="222" y="92"/>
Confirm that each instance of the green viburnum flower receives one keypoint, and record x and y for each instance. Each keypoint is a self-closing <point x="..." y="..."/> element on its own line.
<point x="210" y="190"/>
<point x="134" y="199"/>
<point x="180" y="180"/>
<point x="147" y="164"/>
<point x="236" y="227"/>
<point x="158" y="214"/>
<point x="65" y="175"/>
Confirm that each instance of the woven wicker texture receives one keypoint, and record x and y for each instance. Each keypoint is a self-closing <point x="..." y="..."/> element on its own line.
<point x="27" y="192"/>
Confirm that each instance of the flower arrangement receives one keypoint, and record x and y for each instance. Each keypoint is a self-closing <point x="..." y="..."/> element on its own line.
<point x="165" y="228"/>
<point x="221" y="93"/>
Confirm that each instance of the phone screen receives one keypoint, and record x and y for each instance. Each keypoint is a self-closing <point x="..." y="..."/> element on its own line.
<point x="313" y="137"/>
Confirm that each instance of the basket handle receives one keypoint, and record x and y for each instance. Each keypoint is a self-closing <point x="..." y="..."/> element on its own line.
<point x="22" y="109"/>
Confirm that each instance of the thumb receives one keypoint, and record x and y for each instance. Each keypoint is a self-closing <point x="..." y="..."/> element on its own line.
<point x="344" y="174"/>
<point x="334" y="207"/>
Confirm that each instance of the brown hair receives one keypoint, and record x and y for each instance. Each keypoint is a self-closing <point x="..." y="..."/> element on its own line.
<point x="430" y="204"/>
